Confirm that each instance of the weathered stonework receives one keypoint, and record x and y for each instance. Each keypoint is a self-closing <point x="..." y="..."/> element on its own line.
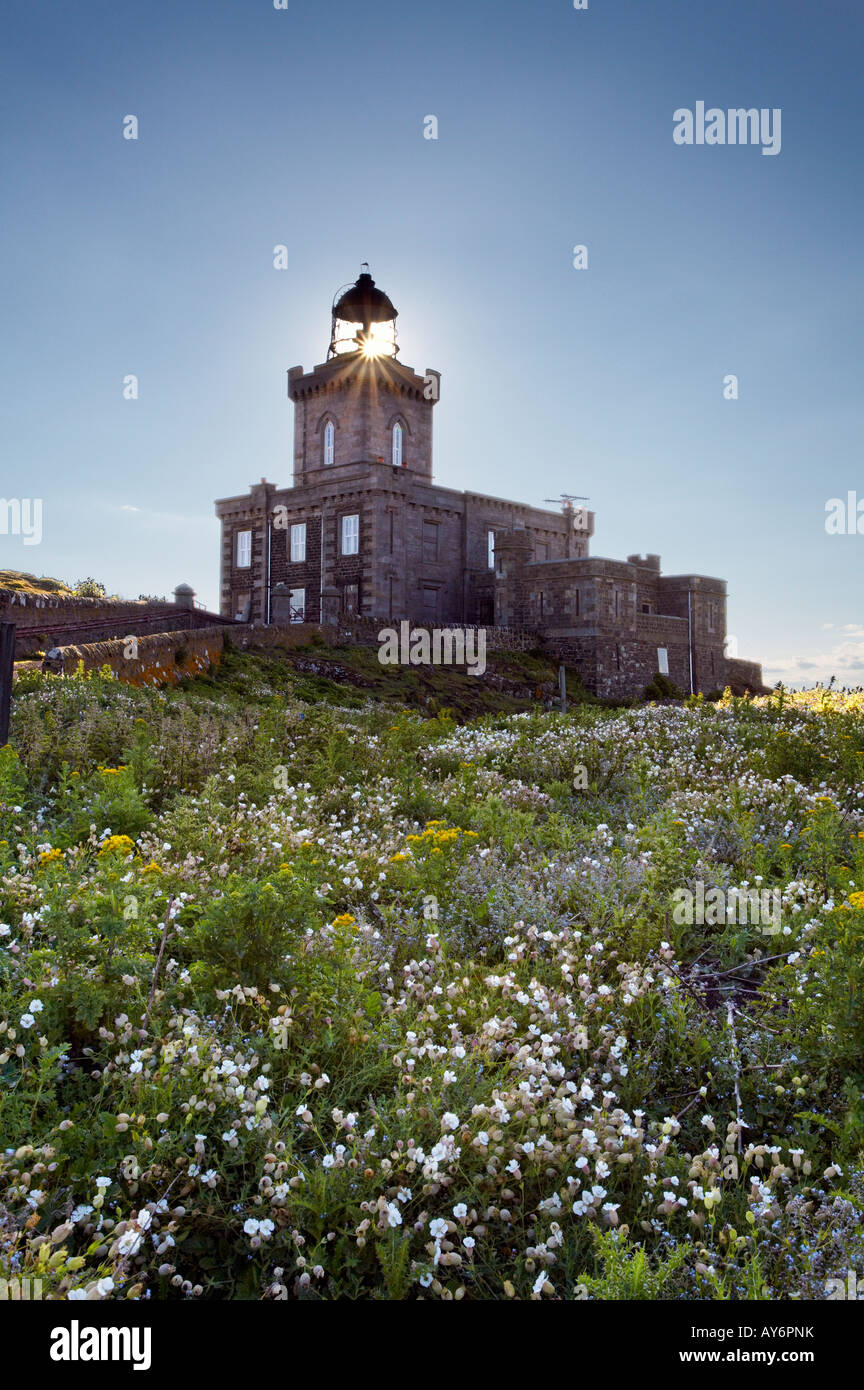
<point x="52" y="620"/>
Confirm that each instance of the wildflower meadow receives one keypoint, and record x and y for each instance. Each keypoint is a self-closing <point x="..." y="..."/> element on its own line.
<point x="301" y="1000"/>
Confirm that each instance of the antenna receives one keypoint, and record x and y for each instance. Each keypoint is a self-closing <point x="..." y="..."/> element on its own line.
<point x="566" y="499"/>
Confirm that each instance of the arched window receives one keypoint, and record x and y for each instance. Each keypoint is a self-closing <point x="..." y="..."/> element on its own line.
<point x="329" y="442"/>
<point x="397" y="446"/>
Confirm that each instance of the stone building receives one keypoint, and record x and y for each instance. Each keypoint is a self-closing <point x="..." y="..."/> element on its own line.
<point x="364" y="532"/>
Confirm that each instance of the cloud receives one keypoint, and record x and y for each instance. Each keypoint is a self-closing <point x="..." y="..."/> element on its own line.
<point x="150" y="518"/>
<point x="845" y="660"/>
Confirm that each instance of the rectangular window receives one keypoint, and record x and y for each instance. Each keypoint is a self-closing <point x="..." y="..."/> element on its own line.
<point x="350" y="599"/>
<point x="350" y="535"/>
<point x="242" y="605"/>
<point x="430" y="540"/>
<point x="298" y="542"/>
<point x="542" y="553"/>
<point x="297" y="605"/>
<point x="490" y="549"/>
<point x="663" y="661"/>
<point x="430" y="603"/>
<point x="244" y="549"/>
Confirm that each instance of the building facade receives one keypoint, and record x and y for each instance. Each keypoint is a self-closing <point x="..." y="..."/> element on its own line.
<point x="365" y="532"/>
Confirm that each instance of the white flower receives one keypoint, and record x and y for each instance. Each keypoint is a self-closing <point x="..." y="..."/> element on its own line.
<point x="449" y="1120"/>
<point x="105" y="1286"/>
<point x="75" y="1295"/>
<point x="437" y="1228"/>
<point x="460" y="1211"/>
<point x="250" y="1226"/>
<point x="27" y="1020"/>
<point x="36" y="1006"/>
<point x="129" y="1243"/>
<point x="103" y="1182"/>
<point x="394" y="1215"/>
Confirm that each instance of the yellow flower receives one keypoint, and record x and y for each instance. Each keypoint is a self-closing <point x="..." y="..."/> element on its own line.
<point x="397" y="858"/>
<point x="151" y="868"/>
<point x="120" y="844"/>
<point x="857" y="899"/>
<point x="49" y="856"/>
<point x="345" y="919"/>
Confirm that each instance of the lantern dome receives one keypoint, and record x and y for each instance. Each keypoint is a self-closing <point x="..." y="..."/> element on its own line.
<point x="363" y="319"/>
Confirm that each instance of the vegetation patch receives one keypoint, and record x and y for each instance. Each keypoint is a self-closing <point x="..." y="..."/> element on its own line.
<point x="310" y="990"/>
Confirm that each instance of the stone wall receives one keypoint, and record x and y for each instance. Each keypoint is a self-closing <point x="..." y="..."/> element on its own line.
<point x="50" y="620"/>
<point x="744" y="675"/>
<point x="163" y="658"/>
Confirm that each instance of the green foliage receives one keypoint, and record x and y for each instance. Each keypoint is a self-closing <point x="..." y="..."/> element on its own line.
<point x="329" y="999"/>
<point x="89" y="588"/>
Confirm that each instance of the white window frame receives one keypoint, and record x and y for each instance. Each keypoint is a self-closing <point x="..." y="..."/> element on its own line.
<point x="298" y="542"/>
<point x="329" y="443"/>
<point x="350" y="531"/>
<point x="297" y="605"/>
<point x="397" y="445"/>
<point x="490" y="549"/>
<point x="663" y="660"/>
<point x="243" y="553"/>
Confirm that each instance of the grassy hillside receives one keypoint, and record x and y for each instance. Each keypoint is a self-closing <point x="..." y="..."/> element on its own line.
<point x="23" y="583"/>
<point x="323" y="997"/>
<point x="351" y="676"/>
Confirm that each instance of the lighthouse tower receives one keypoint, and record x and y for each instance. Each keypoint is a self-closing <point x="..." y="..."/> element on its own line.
<point x="362" y="405"/>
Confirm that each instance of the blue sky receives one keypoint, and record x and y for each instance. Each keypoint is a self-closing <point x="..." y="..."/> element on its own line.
<point x="304" y="127"/>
